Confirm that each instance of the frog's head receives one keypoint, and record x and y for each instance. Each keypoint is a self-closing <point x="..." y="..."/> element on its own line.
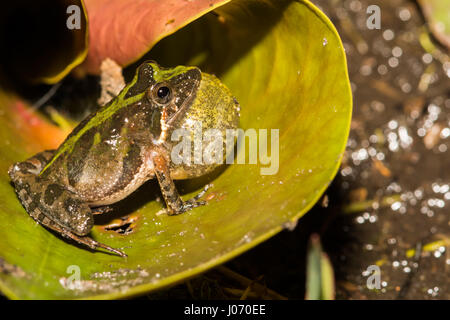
<point x="170" y="88"/>
<point x="181" y="92"/>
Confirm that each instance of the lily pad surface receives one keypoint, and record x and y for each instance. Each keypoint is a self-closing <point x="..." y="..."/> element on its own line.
<point x="284" y="62"/>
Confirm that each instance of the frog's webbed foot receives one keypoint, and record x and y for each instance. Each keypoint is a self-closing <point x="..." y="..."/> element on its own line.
<point x="180" y="206"/>
<point x="175" y="205"/>
<point x="51" y="205"/>
<point x="201" y="193"/>
<point x="194" y="202"/>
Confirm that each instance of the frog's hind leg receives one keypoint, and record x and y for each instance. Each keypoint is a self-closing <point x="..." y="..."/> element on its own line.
<point x="24" y="176"/>
<point x="67" y="233"/>
<point x="85" y="240"/>
<point x="51" y="205"/>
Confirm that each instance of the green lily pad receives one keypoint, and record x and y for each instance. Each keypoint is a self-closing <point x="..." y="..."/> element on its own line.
<point x="285" y="63"/>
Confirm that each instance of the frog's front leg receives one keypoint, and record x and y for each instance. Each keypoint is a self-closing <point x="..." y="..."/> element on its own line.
<point x="51" y="205"/>
<point x="175" y="204"/>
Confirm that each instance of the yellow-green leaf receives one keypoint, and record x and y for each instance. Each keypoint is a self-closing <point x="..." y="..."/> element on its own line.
<point x="285" y="63"/>
<point x="437" y="14"/>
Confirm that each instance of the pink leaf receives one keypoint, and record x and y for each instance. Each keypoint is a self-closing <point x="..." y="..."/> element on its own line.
<point x="124" y="30"/>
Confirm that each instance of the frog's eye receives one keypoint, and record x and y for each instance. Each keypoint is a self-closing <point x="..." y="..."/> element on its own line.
<point x="162" y="93"/>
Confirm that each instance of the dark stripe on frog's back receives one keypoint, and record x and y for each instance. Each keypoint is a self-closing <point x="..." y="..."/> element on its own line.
<point x="132" y="162"/>
<point x="58" y="156"/>
<point x="52" y="192"/>
<point x="113" y="126"/>
<point x="83" y="149"/>
<point x="95" y="120"/>
<point x="76" y="160"/>
<point x="95" y="144"/>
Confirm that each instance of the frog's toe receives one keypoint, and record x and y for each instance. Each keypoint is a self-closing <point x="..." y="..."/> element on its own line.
<point x="192" y="203"/>
<point x="94" y="245"/>
<point x="186" y="206"/>
<point x="87" y="241"/>
<point x="202" y="193"/>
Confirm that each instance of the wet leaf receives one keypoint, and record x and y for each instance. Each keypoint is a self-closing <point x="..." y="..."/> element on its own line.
<point x="285" y="63"/>
<point x="437" y="14"/>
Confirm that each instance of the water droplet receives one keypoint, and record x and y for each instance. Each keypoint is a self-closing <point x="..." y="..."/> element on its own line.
<point x="392" y="124"/>
<point x="382" y="69"/>
<point x="396" y="205"/>
<point x="397" y="52"/>
<point x="404" y="14"/>
<point x="388" y="35"/>
<point x="393" y="62"/>
<point x="445" y="133"/>
<point x="427" y="58"/>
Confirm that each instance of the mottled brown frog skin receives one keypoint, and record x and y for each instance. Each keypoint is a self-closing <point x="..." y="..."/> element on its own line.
<point x="119" y="147"/>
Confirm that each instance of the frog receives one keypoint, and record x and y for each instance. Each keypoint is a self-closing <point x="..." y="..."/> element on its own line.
<point x="120" y="146"/>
